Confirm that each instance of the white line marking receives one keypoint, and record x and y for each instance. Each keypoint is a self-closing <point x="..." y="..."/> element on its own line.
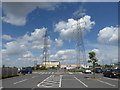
<point x="45" y="73"/>
<point x="1" y="88"/>
<point x="68" y="79"/>
<point x="60" y="84"/>
<point x="49" y="72"/>
<point x="42" y="72"/>
<point x="81" y="82"/>
<point x="80" y="72"/>
<point x="106" y="83"/>
<point x="111" y="79"/>
<point x="44" y="80"/>
<point x="70" y="73"/>
<point x="34" y="76"/>
<point x="20" y="81"/>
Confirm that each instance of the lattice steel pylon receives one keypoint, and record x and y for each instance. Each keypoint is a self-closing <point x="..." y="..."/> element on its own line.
<point x="45" y="48"/>
<point x="80" y="49"/>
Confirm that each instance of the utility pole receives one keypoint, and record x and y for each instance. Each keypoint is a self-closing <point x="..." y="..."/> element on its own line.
<point x="35" y="64"/>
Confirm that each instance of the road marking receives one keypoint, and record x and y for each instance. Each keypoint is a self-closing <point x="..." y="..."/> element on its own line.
<point x="81" y="82"/>
<point x="60" y="84"/>
<point x="1" y="88"/>
<point x="20" y="81"/>
<point x="111" y="79"/>
<point x="70" y="73"/>
<point x="40" y="73"/>
<point x="80" y="72"/>
<point x="68" y="79"/>
<point x="44" y="80"/>
<point x="106" y="83"/>
<point x="34" y="76"/>
<point x="46" y="73"/>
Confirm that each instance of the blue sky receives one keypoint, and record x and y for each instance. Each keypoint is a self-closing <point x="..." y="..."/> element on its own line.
<point x="102" y="14"/>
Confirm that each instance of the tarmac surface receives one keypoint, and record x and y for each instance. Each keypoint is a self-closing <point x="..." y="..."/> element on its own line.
<point x="59" y="79"/>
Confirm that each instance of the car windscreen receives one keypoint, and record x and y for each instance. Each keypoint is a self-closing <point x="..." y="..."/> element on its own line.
<point x="87" y="69"/>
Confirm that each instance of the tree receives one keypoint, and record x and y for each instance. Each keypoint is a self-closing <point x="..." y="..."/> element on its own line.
<point x="93" y="60"/>
<point x="3" y="66"/>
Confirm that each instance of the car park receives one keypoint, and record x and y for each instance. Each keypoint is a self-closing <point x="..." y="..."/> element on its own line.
<point x="111" y="73"/>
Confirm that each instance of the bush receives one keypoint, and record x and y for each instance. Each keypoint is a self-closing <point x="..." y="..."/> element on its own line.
<point x="43" y="68"/>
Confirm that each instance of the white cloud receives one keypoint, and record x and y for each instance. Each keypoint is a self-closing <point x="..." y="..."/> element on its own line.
<point x="40" y="47"/>
<point x="58" y="43"/>
<point x="108" y="35"/>
<point x="36" y="39"/>
<point x="96" y="51"/>
<point x="68" y="30"/>
<point x="37" y="35"/>
<point x="28" y="54"/>
<point x="7" y="37"/>
<point x="106" y="54"/>
<point x="68" y="55"/>
<point x="15" y="48"/>
<point x="16" y="12"/>
<point x="22" y="46"/>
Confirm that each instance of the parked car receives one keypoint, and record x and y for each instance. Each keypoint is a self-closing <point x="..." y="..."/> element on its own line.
<point x="70" y="68"/>
<point x="112" y="73"/>
<point x="87" y="70"/>
<point x="26" y="71"/>
<point x="98" y="70"/>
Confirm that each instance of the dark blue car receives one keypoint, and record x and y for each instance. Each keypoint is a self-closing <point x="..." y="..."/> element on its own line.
<point x="26" y="71"/>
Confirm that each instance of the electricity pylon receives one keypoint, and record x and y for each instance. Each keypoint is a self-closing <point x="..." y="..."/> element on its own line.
<point x="80" y="49"/>
<point x="45" y="47"/>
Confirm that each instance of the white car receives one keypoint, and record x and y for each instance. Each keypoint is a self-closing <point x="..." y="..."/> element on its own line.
<point x="87" y="70"/>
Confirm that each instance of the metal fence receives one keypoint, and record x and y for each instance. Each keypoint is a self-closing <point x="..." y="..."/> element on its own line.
<point x="9" y="71"/>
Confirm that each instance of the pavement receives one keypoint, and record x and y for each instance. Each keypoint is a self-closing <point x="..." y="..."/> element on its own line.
<point x="59" y="79"/>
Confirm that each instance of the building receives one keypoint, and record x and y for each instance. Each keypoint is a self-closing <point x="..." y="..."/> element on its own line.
<point x="50" y="64"/>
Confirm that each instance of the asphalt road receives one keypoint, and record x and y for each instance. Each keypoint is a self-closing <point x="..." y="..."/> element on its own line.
<point x="59" y="79"/>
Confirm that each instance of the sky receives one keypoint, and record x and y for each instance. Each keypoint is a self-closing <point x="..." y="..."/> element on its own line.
<point x="24" y="25"/>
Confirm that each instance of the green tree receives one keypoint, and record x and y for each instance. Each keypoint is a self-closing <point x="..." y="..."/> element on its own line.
<point x="93" y="60"/>
<point x="3" y="66"/>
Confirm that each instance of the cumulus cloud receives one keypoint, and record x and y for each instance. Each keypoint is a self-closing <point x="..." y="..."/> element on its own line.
<point x="108" y="35"/>
<point x="21" y="48"/>
<point x="96" y="51"/>
<point x="7" y="37"/>
<point x="68" y="55"/>
<point x="16" y="12"/>
<point x="15" y="48"/>
<point x="36" y="39"/>
<point x="28" y="54"/>
<point x="22" y="45"/>
<point x="58" y="43"/>
<point x="106" y="54"/>
<point x="68" y="30"/>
